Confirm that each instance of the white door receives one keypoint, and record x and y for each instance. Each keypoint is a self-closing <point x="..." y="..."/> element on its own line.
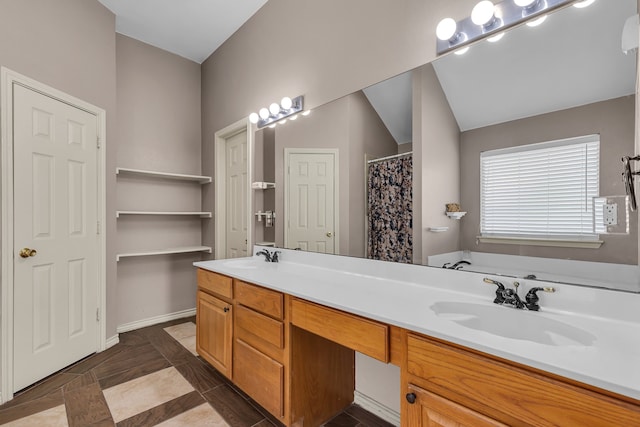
<point x="237" y="186"/>
<point x="311" y="212"/>
<point x="56" y="215"/>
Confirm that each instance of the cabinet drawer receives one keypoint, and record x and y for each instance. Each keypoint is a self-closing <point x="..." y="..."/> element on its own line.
<point x="260" y="377"/>
<point x="216" y="283"/>
<point x="259" y="330"/>
<point x="260" y="299"/>
<point x="363" y="335"/>
<point x="497" y="388"/>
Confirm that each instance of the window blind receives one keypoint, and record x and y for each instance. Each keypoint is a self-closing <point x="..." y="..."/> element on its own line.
<point x="542" y="190"/>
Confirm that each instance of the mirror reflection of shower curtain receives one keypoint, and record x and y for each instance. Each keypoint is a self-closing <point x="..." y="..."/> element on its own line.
<point x="390" y="210"/>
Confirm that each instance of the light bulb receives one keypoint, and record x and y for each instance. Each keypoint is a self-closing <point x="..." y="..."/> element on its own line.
<point x="482" y="13"/>
<point x="253" y="118"/>
<point x="274" y="109"/>
<point x="537" y="22"/>
<point x="495" y="38"/>
<point x="524" y="3"/>
<point x="461" y="51"/>
<point x="264" y="113"/>
<point x="583" y="3"/>
<point x="286" y="103"/>
<point x="446" y="29"/>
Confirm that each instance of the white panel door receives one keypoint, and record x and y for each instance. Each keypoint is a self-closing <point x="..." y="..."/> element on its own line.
<point x="237" y="186"/>
<point x="55" y="211"/>
<point x="311" y="202"/>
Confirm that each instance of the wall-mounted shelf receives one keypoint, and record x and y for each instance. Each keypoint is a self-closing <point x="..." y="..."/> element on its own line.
<point x="165" y="175"/>
<point x="455" y="215"/>
<point x="200" y="214"/>
<point x="169" y="251"/>
<point x="261" y="185"/>
<point x="437" y="229"/>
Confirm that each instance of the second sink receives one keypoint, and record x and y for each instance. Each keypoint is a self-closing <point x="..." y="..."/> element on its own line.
<point x="515" y="324"/>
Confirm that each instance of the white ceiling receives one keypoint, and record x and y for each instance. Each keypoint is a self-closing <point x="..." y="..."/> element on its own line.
<point x="574" y="58"/>
<point x="193" y="29"/>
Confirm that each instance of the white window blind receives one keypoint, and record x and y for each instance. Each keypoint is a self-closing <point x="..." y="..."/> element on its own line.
<point x="541" y="190"/>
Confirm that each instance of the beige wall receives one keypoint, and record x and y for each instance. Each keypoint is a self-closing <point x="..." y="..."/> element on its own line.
<point x="351" y="125"/>
<point x="614" y="120"/>
<point x="436" y="173"/>
<point x="288" y="48"/>
<point x="158" y="103"/>
<point x="70" y="45"/>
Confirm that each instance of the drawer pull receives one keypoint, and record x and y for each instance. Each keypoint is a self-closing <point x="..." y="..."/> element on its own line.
<point x="226" y="309"/>
<point x="411" y="398"/>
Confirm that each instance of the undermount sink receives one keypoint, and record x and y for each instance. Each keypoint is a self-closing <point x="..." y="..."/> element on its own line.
<point x="511" y="323"/>
<point x="245" y="264"/>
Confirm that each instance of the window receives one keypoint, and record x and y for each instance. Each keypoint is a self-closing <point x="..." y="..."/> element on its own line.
<point x="540" y="191"/>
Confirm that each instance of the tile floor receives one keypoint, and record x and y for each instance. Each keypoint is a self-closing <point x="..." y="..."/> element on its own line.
<point x="153" y="377"/>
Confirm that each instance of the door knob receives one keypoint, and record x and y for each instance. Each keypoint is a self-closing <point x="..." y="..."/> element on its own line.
<point x="411" y="398"/>
<point x="329" y="234"/>
<point x="26" y="252"/>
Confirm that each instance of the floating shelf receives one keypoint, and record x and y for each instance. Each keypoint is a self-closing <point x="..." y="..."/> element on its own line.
<point x="261" y="185"/>
<point x="165" y="175"/>
<point x="200" y="214"/>
<point x="437" y="229"/>
<point x="455" y="215"/>
<point x="169" y="251"/>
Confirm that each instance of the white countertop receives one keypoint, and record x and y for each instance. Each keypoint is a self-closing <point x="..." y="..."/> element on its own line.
<point x="608" y="322"/>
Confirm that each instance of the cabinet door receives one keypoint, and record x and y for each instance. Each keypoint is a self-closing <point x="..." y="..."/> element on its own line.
<point x="431" y="410"/>
<point x="214" y="331"/>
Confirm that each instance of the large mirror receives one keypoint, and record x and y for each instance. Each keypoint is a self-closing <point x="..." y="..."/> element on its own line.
<point x="410" y="145"/>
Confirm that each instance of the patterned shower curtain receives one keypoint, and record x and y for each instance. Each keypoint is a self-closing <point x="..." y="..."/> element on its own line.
<point x="390" y="210"/>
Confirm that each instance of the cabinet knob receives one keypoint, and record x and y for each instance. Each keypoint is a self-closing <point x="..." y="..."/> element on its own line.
<point x="411" y="398"/>
<point x="226" y="309"/>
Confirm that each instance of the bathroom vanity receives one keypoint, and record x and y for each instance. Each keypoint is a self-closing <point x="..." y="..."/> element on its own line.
<point x="285" y="333"/>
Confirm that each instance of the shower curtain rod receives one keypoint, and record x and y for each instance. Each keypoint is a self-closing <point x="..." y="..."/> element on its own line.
<point x="395" y="156"/>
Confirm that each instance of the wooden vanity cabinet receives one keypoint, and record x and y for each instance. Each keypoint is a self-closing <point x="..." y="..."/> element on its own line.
<point x="214" y="325"/>
<point x="260" y="359"/>
<point x="459" y="384"/>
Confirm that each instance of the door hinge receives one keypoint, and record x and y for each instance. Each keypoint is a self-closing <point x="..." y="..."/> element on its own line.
<point x="97" y="314"/>
<point x="98" y="228"/>
<point x="98" y="141"/>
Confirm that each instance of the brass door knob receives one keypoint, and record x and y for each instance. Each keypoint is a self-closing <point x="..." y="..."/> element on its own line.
<point x="329" y="234"/>
<point x="26" y="252"/>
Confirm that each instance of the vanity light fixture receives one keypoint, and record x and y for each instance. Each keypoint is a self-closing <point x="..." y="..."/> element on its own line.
<point x="489" y="20"/>
<point x="278" y="112"/>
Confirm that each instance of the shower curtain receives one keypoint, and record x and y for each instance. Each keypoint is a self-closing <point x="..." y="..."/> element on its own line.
<point x="390" y="210"/>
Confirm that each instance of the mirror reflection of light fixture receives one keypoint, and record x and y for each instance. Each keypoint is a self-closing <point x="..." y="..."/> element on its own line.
<point x="537" y="21"/>
<point x="278" y="112"/>
<point x="583" y="3"/>
<point x="489" y="20"/>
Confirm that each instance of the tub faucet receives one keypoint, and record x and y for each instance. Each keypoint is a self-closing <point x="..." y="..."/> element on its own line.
<point x="457" y="266"/>
<point x="508" y="296"/>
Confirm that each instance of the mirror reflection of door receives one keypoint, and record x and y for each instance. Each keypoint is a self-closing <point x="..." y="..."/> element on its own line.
<point x="236" y="195"/>
<point x="311" y="200"/>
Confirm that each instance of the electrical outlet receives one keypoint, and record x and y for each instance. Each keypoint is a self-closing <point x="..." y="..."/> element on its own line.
<point x="610" y="214"/>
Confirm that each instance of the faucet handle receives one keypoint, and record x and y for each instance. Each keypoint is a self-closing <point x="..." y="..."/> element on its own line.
<point x="532" y="297"/>
<point x="500" y="292"/>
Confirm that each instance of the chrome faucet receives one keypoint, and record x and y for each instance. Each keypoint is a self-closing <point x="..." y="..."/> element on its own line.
<point x="269" y="256"/>
<point x="457" y="266"/>
<point x="509" y="297"/>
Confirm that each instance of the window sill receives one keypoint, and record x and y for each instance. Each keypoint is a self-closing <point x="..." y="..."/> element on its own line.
<point x="561" y="243"/>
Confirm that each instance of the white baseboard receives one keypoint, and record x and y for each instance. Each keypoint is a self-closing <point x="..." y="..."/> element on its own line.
<point x="376" y="408"/>
<point x="131" y="326"/>
<point x="112" y="341"/>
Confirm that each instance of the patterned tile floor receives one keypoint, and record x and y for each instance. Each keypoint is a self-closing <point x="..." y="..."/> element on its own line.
<point x="153" y="377"/>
